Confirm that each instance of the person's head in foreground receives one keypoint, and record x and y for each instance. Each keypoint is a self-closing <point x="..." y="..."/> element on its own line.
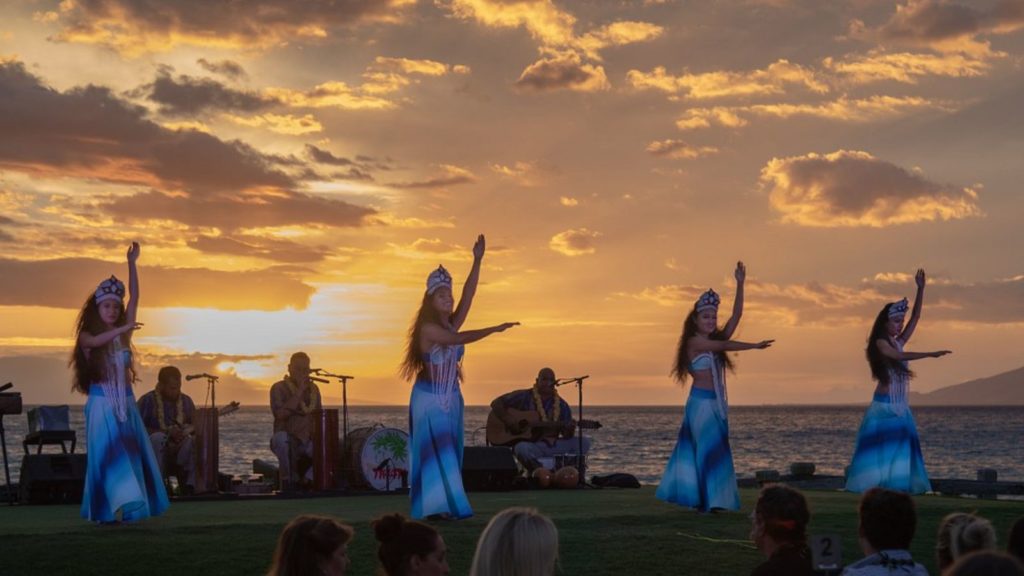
<point x="959" y="535"/>
<point x="517" y="542"/>
<point x="986" y="563"/>
<point x="312" y="545"/>
<point x="409" y="548"/>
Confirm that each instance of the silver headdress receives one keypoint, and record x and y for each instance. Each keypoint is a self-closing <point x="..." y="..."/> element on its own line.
<point x="109" y="289"/>
<point x="708" y="299"/>
<point x="437" y="279"/>
<point x="898" y="308"/>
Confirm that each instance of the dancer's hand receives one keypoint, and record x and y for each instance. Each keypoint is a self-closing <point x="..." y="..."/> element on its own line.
<point x="133" y="252"/>
<point x="479" y="247"/>
<point x="505" y="326"/>
<point x="940" y="353"/>
<point x="131" y="327"/>
<point x="741" y="272"/>
<point x="765" y="344"/>
<point x="919" y="278"/>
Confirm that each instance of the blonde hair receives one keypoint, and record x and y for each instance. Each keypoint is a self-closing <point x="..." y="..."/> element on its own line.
<point x="961" y="534"/>
<point x="517" y="542"/>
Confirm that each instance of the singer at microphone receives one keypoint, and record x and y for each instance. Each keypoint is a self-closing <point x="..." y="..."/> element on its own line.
<point x="203" y="375"/>
<point x="292" y="401"/>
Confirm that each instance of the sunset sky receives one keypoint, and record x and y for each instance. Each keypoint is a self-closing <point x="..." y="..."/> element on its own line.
<point x="294" y="170"/>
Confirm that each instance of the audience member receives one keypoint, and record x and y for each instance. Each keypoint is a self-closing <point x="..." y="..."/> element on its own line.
<point x="779" y="530"/>
<point x="517" y="542"/>
<point x="887" y="524"/>
<point x="312" y="545"/>
<point x="959" y="535"/>
<point x="986" y="563"/>
<point x="1015" y="543"/>
<point x="409" y="548"/>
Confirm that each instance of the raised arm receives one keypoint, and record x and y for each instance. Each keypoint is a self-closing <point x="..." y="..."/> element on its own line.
<point x="435" y="334"/>
<point x="133" y="283"/>
<point x="890" y="351"/>
<point x="469" y="289"/>
<point x="915" y="314"/>
<point x="737" y="305"/>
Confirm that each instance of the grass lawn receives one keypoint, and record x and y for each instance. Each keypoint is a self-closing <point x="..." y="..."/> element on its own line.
<point x="601" y="532"/>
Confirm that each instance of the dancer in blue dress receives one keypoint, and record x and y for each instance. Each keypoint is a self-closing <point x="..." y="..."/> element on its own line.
<point x="700" y="473"/>
<point x="433" y="357"/>
<point x="888" y="451"/>
<point x="122" y="478"/>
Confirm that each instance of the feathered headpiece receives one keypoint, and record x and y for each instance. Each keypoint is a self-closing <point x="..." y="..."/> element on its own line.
<point x="898" y="308"/>
<point x="437" y="279"/>
<point x="109" y="289"/>
<point x="707" y="300"/>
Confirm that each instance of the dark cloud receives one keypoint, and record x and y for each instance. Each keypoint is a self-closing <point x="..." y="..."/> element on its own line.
<point x="359" y="169"/>
<point x="575" y="242"/>
<point x="321" y="156"/>
<point x="852" y="188"/>
<point x="188" y="96"/>
<point x="926" y="22"/>
<point x="563" y="73"/>
<point x="226" y="68"/>
<point x="67" y="282"/>
<point x="452" y="176"/>
<point x="137" y="26"/>
<point x="259" y="247"/>
<point x="5" y="237"/>
<point x="194" y="177"/>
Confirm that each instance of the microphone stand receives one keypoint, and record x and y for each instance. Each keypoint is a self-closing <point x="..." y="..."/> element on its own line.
<point x="582" y="481"/>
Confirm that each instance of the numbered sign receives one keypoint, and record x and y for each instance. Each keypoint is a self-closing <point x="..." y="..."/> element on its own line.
<point x="826" y="553"/>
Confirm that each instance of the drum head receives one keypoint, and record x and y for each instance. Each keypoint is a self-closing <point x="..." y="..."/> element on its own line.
<point x="384" y="458"/>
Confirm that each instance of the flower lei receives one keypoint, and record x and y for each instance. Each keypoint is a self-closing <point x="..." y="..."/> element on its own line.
<point x="538" y="402"/>
<point x="306" y="406"/>
<point x="179" y="411"/>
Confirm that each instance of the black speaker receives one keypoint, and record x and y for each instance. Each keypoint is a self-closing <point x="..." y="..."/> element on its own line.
<point x="52" y="478"/>
<point x="489" y="468"/>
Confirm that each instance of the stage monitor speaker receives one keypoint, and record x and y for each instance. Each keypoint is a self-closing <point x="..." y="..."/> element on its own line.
<point x="52" y="478"/>
<point x="489" y="468"/>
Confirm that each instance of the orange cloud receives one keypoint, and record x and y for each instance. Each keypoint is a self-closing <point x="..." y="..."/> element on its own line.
<point x="563" y="72"/>
<point x="679" y="150"/>
<point x="574" y="242"/>
<point x="723" y="84"/>
<point x="844" y="109"/>
<point x="281" y="124"/>
<point x="136" y="27"/>
<point x="905" y="67"/>
<point x="855" y="189"/>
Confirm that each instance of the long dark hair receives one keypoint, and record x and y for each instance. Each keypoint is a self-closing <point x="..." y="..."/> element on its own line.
<point x="92" y="368"/>
<point x="306" y="544"/>
<point x="413" y="366"/>
<point x="880" y="365"/>
<point x="689" y="331"/>
<point x="401" y="539"/>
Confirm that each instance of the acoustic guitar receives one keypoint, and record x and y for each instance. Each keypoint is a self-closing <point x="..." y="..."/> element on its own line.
<point x="530" y="427"/>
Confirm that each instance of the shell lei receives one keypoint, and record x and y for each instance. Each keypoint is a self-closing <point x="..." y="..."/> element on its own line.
<point x="899" y="386"/>
<point x="115" y="387"/>
<point x="444" y="374"/>
<point x="718" y="377"/>
<point x="179" y="411"/>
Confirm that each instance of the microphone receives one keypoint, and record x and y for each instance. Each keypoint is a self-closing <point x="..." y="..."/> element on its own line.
<point x="203" y="375"/>
<point x="321" y="380"/>
<point x="564" y="381"/>
<point x="383" y="465"/>
<point x="6" y="386"/>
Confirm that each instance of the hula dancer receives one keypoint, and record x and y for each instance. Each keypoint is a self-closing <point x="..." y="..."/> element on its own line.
<point x="888" y="452"/>
<point x="433" y="357"/>
<point x="700" y="473"/>
<point x="122" y="478"/>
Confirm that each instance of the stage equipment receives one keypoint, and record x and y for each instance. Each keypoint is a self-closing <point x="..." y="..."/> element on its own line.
<point x="10" y="403"/>
<point x="52" y="478"/>
<point x="489" y="468"/>
<point x="377" y="457"/>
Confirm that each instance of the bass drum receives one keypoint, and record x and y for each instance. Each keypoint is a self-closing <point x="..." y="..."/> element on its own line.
<point x="378" y="458"/>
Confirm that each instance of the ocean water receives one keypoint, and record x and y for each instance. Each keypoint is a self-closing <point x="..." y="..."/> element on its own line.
<point x="956" y="441"/>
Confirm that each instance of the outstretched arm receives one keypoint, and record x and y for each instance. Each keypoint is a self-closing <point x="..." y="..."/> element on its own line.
<point x="889" y="351"/>
<point x="469" y="290"/>
<point x="915" y="314"/>
<point x="86" y="340"/>
<point x="708" y="345"/>
<point x="435" y="334"/>
<point x="737" y="305"/>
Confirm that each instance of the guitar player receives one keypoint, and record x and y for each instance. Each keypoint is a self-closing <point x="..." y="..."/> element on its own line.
<point x="548" y="431"/>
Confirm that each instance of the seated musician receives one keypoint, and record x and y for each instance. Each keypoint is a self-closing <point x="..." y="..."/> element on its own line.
<point x="168" y="415"/>
<point x="548" y="430"/>
<point x="291" y="401"/>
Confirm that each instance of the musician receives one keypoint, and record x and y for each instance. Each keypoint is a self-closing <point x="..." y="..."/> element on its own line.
<point x="292" y="400"/>
<point x="542" y="398"/>
<point x="168" y="415"/>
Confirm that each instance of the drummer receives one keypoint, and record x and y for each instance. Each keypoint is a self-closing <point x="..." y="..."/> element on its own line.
<point x="291" y="401"/>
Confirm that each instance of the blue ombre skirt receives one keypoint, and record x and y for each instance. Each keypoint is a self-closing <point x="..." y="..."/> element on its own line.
<point x="121" y="472"/>
<point x="888" y="452"/>
<point x="435" y="468"/>
<point x="700" y="473"/>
